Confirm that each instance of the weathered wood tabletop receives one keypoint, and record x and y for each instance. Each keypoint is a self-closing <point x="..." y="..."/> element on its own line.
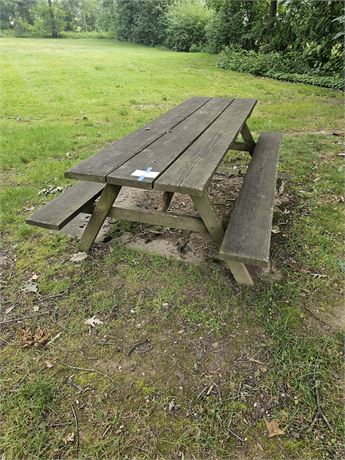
<point x="178" y="152"/>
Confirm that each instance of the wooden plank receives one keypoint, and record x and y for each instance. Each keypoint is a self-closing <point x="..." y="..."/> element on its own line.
<point x="58" y="212"/>
<point x="153" y="217"/>
<point x="194" y="169"/>
<point x="240" y="272"/>
<point x="248" y="236"/>
<point x="98" y="216"/>
<point x="163" y="219"/>
<point x="114" y="155"/>
<point x="210" y="218"/>
<point x="162" y="153"/>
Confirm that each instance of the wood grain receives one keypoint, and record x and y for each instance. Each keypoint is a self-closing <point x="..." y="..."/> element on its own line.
<point x="193" y="170"/>
<point x="162" y="153"/>
<point x="98" y="166"/>
<point x="58" y="212"/>
<point x="248" y="235"/>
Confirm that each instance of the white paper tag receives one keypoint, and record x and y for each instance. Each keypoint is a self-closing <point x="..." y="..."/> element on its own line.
<point x="141" y="173"/>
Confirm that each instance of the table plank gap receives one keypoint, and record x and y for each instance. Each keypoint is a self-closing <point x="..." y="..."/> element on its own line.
<point x="193" y="170"/>
<point x="115" y="154"/>
<point x="142" y="170"/>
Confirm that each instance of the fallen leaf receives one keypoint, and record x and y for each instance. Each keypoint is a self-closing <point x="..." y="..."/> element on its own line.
<point x="93" y="322"/>
<point x="26" y="338"/>
<point x="172" y="405"/>
<point x="29" y="208"/>
<point x="41" y="337"/>
<point x="49" y="190"/>
<point x="29" y="286"/>
<point x="68" y="438"/>
<point x="273" y="428"/>
<point x="78" y="257"/>
<point x="48" y="364"/>
<point x="275" y="229"/>
<point x="36" y="308"/>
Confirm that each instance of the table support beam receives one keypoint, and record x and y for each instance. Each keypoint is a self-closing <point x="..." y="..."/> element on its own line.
<point x="215" y="228"/>
<point x="165" y="201"/>
<point x="248" y="138"/>
<point x="153" y="217"/>
<point x="239" y="272"/>
<point x="98" y="216"/>
<point x="210" y="218"/>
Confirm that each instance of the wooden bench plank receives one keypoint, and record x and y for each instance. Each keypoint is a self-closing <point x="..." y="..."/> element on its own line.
<point x="162" y="153"/>
<point x="58" y="212"/>
<point x="193" y="170"/>
<point x="248" y="236"/>
<point x="114" y="155"/>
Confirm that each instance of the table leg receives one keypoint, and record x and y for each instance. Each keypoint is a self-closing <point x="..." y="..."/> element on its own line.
<point x="248" y="138"/>
<point x="210" y="218"/>
<point x="215" y="228"/>
<point x="165" y="201"/>
<point x="98" y="216"/>
<point x="240" y="272"/>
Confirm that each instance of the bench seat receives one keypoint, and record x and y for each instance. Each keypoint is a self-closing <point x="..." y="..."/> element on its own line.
<point x="58" y="212"/>
<point x="248" y="235"/>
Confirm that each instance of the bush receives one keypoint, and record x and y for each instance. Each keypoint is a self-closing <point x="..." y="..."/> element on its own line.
<point x="186" y="22"/>
<point x="289" y="67"/>
<point x="141" y="21"/>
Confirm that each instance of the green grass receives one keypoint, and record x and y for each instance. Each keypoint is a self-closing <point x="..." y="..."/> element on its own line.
<point x="220" y="358"/>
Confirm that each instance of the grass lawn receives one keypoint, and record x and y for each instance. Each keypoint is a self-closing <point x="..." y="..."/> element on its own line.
<point x="222" y="361"/>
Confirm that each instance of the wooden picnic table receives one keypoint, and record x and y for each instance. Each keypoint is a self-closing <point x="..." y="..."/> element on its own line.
<point x="177" y="153"/>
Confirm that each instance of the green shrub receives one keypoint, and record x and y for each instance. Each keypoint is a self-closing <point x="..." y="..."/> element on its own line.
<point x="186" y="22"/>
<point x="141" y="21"/>
<point x="289" y="67"/>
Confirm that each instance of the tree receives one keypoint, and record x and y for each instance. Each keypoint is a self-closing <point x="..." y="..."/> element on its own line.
<point x="53" y="24"/>
<point x="271" y="19"/>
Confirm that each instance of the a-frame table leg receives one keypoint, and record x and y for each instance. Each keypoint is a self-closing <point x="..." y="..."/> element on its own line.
<point x="165" y="201"/>
<point x="248" y="138"/>
<point x="240" y="272"/>
<point x="210" y="218"/>
<point x="98" y="216"/>
<point x="215" y="228"/>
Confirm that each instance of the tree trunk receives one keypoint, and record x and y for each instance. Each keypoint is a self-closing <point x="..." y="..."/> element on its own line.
<point x="271" y="19"/>
<point x="252" y="12"/>
<point x="52" y="20"/>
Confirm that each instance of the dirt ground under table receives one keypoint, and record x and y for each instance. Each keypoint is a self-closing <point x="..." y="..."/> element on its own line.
<point x="181" y="244"/>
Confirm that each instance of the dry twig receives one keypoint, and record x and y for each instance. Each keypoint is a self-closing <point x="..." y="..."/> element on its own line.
<point x="319" y="411"/>
<point x="85" y="369"/>
<point x="76" y="421"/>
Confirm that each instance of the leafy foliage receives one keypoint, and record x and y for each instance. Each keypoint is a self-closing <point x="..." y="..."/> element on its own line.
<point x="141" y="21"/>
<point x="289" y="67"/>
<point x="186" y="23"/>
